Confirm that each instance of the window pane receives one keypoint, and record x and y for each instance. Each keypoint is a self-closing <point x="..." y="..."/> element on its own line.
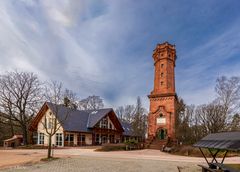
<point x="71" y="137"/>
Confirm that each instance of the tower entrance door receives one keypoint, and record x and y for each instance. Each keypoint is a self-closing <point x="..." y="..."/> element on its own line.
<point x="161" y="134"/>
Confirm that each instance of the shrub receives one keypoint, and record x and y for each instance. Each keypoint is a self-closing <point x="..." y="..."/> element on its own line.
<point x="131" y="142"/>
<point x="112" y="147"/>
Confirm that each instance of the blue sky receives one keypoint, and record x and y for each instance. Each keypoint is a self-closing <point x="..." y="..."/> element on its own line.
<point x="105" y="47"/>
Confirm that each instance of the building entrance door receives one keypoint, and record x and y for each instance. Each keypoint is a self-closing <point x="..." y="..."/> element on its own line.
<point x="104" y="138"/>
<point x="161" y="134"/>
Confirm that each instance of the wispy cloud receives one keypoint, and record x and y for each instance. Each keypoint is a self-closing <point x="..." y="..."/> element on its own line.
<point x="206" y="62"/>
<point x="105" y="47"/>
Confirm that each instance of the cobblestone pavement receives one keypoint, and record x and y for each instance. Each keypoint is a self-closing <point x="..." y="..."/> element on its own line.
<point x="86" y="160"/>
<point x="98" y="164"/>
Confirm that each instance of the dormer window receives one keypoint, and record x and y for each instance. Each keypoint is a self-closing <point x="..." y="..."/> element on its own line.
<point x="104" y="123"/>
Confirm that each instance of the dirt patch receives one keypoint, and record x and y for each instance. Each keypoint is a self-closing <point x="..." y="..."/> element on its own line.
<point x="8" y="158"/>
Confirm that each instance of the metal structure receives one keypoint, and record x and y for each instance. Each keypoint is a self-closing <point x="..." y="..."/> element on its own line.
<point x="216" y="143"/>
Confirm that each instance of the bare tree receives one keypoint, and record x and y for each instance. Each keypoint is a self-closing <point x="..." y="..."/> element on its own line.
<point x="235" y="124"/>
<point x="120" y="112"/>
<point x="228" y="93"/>
<point x="129" y="113"/>
<point x="20" y="97"/>
<point x="212" y="117"/>
<point x="139" y="123"/>
<point x="70" y="99"/>
<point x="126" y="113"/>
<point x="91" y="103"/>
<point x="56" y="96"/>
<point x="180" y="111"/>
<point x="185" y="123"/>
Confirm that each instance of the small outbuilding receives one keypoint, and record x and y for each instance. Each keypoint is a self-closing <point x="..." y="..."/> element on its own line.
<point x="16" y="140"/>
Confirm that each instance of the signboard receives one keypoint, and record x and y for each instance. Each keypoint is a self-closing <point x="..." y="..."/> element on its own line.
<point x="161" y="120"/>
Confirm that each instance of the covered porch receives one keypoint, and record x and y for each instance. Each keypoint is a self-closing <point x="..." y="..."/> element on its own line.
<point x="103" y="136"/>
<point x="77" y="139"/>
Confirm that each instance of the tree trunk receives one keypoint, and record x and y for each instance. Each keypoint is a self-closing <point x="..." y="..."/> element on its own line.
<point x="11" y="125"/>
<point x="25" y="134"/>
<point x="49" y="146"/>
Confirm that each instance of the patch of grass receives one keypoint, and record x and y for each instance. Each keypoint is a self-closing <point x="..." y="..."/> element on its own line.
<point x="49" y="159"/>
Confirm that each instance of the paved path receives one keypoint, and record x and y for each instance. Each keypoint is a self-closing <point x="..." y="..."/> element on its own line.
<point x="89" y="160"/>
<point x="100" y="164"/>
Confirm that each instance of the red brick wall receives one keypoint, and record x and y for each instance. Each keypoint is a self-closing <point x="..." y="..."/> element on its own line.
<point x="162" y="98"/>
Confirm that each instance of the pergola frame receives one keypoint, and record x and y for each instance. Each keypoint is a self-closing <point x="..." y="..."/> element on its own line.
<point x="214" y="156"/>
<point x="216" y="143"/>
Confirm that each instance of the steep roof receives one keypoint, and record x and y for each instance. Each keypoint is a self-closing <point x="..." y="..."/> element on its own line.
<point x="70" y="119"/>
<point x="96" y="115"/>
<point x="75" y="120"/>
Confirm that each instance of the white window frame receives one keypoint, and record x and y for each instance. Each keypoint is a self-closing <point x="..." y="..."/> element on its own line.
<point x="41" y="139"/>
<point x="104" y="123"/>
<point x="50" y="123"/>
<point x="59" y="139"/>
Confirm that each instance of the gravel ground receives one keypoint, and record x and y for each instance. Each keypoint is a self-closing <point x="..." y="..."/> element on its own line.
<point x="99" y="164"/>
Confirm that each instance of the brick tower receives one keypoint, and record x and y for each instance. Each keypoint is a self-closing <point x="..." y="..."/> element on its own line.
<point x="161" y="118"/>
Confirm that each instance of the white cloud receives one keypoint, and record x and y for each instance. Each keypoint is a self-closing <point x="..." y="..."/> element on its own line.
<point x="59" y="17"/>
<point x="95" y="48"/>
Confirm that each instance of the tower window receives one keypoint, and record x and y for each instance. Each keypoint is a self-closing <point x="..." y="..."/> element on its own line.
<point x="162" y="65"/>
<point x="162" y="83"/>
<point x="161" y="74"/>
<point x="161" y="54"/>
